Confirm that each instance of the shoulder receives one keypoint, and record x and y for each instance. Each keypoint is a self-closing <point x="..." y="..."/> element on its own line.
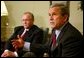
<point x="73" y="30"/>
<point x="71" y="34"/>
<point x="36" y="28"/>
<point x="69" y="29"/>
<point x="18" y="28"/>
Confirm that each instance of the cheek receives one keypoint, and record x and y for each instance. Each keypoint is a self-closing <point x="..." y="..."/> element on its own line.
<point x="26" y="22"/>
<point x="60" y="22"/>
<point x="56" y="20"/>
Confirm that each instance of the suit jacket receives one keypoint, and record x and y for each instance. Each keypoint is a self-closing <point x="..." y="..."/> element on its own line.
<point x="70" y="43"/>
<point x="34" y="36"/>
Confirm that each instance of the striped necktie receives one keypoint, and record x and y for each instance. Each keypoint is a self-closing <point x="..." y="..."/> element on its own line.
<point x="53" y="45"/>
<point x="54" y="40"/>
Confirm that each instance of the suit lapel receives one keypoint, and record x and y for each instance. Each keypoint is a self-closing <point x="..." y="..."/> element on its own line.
<point x="62" y="32"/>
<point x="21" y="31"/>
<point x="29" y="35"/>
<point x="59" y="39"/>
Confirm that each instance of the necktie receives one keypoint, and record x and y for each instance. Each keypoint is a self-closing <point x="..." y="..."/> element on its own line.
<point x="53" y="39"/>
<point x="53" y="45"/>
<point x="22" y="35"/>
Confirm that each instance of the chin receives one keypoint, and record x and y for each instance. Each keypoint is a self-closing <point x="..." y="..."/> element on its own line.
<point x="52" y="27"/>
<point x="25" y="27"/>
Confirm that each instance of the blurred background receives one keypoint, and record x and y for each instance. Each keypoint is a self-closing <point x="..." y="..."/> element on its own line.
<point x="15" y="9"/>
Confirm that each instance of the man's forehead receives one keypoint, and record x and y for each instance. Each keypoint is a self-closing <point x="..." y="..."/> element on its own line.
<point x="55" y="9"/>
<point x="26" y="16"/>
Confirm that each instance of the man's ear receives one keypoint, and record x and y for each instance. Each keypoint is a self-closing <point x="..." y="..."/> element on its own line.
<point x="65" y="18"/>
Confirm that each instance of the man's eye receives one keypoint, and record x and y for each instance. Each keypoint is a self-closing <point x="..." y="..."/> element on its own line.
<point x="49" y="14"/>
<point x="54" y="14"/>
<point x="25" y="20"/>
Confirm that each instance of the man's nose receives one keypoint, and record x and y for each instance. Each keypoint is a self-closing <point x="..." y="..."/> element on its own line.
<point x="51" y="18"/>
<point x="24" y="22"/>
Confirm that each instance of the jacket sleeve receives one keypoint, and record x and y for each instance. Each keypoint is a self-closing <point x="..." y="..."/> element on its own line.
<point x="72" y="47"/>
<point x="37" y="42"/>
<point x="9" y="43"/>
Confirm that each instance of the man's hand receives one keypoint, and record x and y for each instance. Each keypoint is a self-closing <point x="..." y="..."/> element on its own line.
<point x="8" y="54"/>
<point x="18" y="43"/>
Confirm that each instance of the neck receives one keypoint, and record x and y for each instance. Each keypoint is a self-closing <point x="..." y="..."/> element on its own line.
<point x="61" y="26"/>
<point x="28" y="27"/>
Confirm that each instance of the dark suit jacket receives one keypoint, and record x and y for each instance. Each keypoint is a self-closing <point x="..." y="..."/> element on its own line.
<point x="34" y="36"/>
<point x="70" y="43"/>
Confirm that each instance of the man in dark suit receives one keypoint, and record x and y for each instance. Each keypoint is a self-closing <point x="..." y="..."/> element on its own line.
<point x="68" y="41"/>
<point x="23" y="37"/>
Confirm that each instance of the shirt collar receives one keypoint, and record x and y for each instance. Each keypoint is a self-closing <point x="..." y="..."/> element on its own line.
<point x="57" y="31"/>
<point x="26" y="29"/>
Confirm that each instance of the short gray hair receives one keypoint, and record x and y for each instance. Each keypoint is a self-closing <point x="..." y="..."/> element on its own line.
<point x="30" y="14"/>
<point x="64" y="9"/>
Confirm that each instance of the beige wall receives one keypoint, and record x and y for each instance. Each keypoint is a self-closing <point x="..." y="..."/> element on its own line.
<point x="76" y="15"/>
<point x="38" y="8"/>
<point x="40" y="11"/>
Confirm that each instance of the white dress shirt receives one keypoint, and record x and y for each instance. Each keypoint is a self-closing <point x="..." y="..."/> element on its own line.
<point x="57" y="32"/>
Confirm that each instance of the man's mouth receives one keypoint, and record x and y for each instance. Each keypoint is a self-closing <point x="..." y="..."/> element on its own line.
<point x="51" y="22"/>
